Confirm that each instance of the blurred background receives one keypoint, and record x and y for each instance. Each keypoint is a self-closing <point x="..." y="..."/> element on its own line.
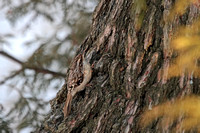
<point x="38" y="39"/>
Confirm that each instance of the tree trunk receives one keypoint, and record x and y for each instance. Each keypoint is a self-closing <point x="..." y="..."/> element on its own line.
<point x="129" y="70"/>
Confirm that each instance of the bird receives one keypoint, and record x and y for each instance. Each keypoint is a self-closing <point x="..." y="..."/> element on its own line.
<point x="72" y="91"/>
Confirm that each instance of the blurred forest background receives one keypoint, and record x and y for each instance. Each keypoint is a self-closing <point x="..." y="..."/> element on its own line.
<point x="38" y="39"/>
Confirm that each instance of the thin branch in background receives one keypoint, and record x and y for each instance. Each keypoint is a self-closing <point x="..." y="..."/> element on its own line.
<point x="11" y="76"/>
<point x="11" y="57"/>
<point x="26" y="66"/>
<point x="44" y="71"/>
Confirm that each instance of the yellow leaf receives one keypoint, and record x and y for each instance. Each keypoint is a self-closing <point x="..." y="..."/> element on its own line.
<point x="188" y="108"/>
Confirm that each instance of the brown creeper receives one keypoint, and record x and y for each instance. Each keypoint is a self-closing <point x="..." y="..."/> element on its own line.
<point x="87" y="74"/>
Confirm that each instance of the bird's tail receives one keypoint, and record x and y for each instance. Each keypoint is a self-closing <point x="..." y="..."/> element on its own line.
<point x="67" y="107"/>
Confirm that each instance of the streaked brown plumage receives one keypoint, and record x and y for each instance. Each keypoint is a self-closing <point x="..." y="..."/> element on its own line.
<point x="87" y="74"/>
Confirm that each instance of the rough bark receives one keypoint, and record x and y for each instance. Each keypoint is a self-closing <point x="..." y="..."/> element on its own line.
<point x="127" y="70"/>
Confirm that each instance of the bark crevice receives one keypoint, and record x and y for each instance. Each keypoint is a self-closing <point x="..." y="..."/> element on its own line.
<point x="128" y="74"/>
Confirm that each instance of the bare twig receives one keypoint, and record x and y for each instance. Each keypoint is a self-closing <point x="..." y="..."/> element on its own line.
<point x="26" y="66"/>
<point x="44" y="71"/>
<point x="11" y="57"/>
<point x="11" y="76"/>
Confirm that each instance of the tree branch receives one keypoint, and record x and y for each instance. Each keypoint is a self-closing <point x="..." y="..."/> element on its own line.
<point x="35" y="68"/>
<point x="44" y="71"/>
<point x="11" y="76"/>
<point x="11" y="57"/>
